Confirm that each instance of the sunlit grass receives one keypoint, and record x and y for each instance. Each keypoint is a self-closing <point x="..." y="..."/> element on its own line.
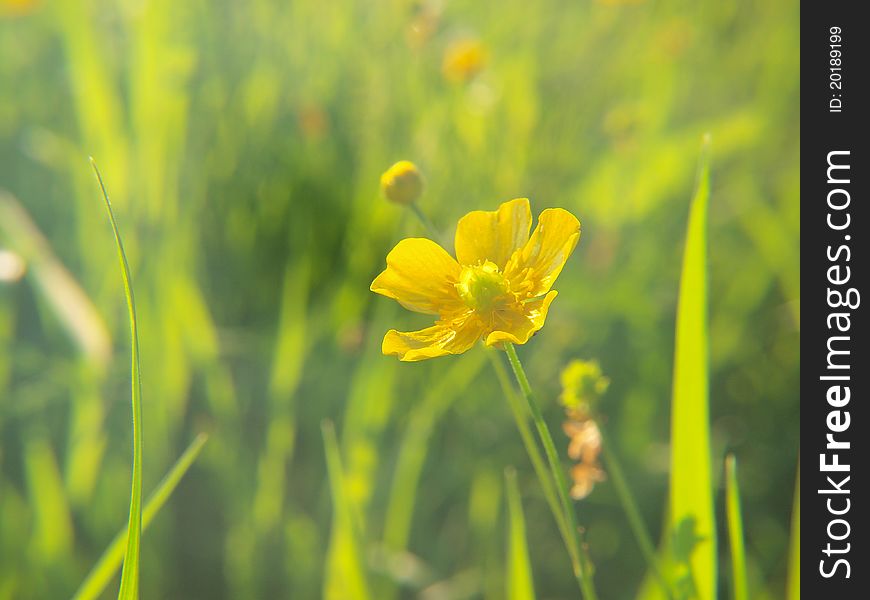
<point x="739" y="584"/>
<point x="519" y="582"/>
<point x="692" y="519"/>
<point x="130" y="570"/>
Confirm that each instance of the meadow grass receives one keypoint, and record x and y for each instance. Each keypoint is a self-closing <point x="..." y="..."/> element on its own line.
<point x="243" y="146"/>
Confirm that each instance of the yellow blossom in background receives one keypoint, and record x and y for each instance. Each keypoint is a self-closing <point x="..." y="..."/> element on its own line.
<point x="15" y="8"/>
<point x="463" y="59"/>
<point x="498" y="288"/>
<point x="402" y="183"/>
<point x="582" y="385"/>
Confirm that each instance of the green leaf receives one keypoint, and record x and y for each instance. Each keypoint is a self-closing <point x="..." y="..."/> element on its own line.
<point x="691" y="486"/>
<point x="735" y="530"/>
<point x="793" y="591"/>
<point x="519" y="584"/>
<point x="345" y="577"/>
<point x="130" y="573"/>
<point x="105" y="569"/>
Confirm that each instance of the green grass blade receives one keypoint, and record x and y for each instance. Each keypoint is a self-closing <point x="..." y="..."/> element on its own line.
<point x="691" y="486"/>
<point x="735" y="530"/>
<point x="519" y="584"/>
<point x="130" y="573"/>
<point x="345" y="569"/>
<point x="107" y="566"/>
<point x="635" y="520"/>
<point x="793" y="591"/>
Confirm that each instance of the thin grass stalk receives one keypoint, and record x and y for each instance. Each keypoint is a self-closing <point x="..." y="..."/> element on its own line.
<point x="130" y="572"/>
<point x="735" y="530"/>
<point x="638" y="527"/>
<point x="106" y="567"/>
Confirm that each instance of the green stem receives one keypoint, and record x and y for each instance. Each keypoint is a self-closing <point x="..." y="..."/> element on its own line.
<point x="423" y="218"/>
<point x="634" y="519"/>
<point x="583" y="569"/>
<point x="520" y="413"/>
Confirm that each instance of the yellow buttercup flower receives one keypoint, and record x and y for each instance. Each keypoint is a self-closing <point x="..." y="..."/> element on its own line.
<point x="463" y="59"/>
<point x="497" y="289"/>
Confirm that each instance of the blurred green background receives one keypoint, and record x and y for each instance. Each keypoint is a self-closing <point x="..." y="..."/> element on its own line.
<point x="241" y="144"/>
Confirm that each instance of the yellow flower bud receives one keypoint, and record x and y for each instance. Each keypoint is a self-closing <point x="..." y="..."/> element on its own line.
<point x="582" y="385"/>
<point x="402" y="183"/>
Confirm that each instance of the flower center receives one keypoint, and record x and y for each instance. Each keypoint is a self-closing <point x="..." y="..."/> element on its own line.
<point x="480" y="286"/>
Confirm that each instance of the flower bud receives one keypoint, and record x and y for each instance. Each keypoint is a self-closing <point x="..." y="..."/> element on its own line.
<point x="402" y="183"/>
<point x="582" y="385"/>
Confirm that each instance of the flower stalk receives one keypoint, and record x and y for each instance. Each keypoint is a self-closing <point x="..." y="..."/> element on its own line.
<point x="520" y="414"/>
<point x="582" y="567"/>
<point x="415" y="208"/>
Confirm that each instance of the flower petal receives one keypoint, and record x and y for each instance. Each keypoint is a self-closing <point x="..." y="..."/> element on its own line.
<point x="517" y="326"/>
<point x="535" y="267"/>
<point x="493" y="235"/>
<point x="421" y="276"/>
<point x="443" y="338"/>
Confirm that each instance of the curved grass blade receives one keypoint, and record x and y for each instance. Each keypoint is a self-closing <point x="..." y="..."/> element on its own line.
<point x="130" y="573"/>
<point x="735" y="530"/>
<point x="692" y="517"/>
<point x="107" y="566"/>
<point x="519" y="584"/>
